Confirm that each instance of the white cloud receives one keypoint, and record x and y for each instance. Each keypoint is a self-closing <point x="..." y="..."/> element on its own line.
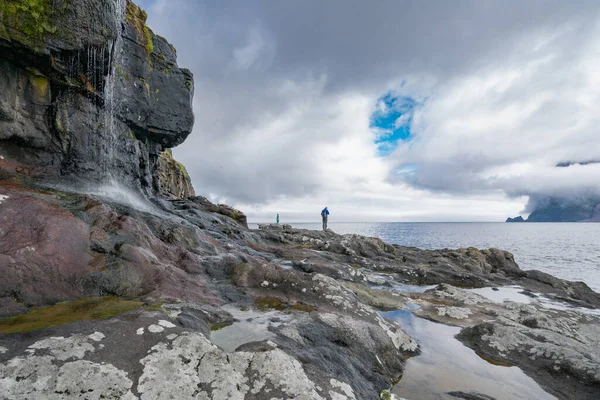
<point x="506" y="126"/>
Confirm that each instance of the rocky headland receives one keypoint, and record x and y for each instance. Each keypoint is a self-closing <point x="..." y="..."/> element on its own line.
<point x="563" y="209"/>
<point x="119" y="283"/>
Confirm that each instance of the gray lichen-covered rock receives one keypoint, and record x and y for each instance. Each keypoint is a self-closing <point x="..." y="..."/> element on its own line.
<point x="555" y="347"/>
<point x="161" y="361"/>
<point x="193" y="367"/>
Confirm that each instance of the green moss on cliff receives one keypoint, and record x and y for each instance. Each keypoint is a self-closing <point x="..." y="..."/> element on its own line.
<point x="183" y="170"/>
<point x="146" y="85"/>
<point x="39" y="82"/>
<point x="29" y="21"/>
<point x="137" y="17"/>
<point x="121" y="72"/>
<point x="40" y="85"/>
<point x="385" y="395"/>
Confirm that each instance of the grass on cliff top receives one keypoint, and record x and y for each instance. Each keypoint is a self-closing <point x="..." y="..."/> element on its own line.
<point x="137" y="17"/>
<point x="64" y="313"/>
<point x="168" y="154"/>
<point x="183" y="170"/>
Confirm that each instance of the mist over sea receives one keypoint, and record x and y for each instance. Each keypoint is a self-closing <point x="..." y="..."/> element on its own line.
<point x="566" y="250"/>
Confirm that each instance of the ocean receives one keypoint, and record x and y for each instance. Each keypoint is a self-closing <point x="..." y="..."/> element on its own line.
<point x="566" y="250"/>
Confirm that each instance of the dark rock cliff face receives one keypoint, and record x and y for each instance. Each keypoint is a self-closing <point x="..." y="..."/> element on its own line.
<point x="89" y="93"/>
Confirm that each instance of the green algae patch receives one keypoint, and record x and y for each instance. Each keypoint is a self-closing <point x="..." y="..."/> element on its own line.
<point x="269" y="303"/>
<point x="273" y="303"/>
<point x="494" y="362"/>
<point x="64" y="313"/>
<point x="218" y="327"/>
<point x="303" y="308"/>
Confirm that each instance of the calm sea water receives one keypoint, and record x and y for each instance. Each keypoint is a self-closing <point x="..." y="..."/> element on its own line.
<point x="568" y="251"/>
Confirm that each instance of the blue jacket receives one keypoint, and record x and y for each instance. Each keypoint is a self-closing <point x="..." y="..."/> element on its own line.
<point x="325" y="213"/>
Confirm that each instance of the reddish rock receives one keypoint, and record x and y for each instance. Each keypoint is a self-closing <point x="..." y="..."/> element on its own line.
<point x="45" y="250"/>
<point x="57" y="247"/>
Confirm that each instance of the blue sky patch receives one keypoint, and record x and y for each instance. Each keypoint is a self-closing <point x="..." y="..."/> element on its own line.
<point x="406" y="170"/>
<point x="391" y="121"/>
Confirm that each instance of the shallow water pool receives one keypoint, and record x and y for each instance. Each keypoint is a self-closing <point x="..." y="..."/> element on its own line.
<point x="446" y="365"/>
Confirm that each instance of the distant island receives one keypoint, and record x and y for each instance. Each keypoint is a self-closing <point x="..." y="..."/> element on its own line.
<point x="563" y="210"/>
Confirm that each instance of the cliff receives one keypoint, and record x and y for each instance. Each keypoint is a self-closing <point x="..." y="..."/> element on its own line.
<point x="90" y="95"/>
<point x="563" y="210"/>
<point x="172" y="177"/>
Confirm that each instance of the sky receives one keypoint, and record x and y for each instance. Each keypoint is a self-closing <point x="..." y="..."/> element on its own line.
<point x="389" y="110"/>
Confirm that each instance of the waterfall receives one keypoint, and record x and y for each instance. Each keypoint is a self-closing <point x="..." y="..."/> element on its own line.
<point x="110" y="101"/>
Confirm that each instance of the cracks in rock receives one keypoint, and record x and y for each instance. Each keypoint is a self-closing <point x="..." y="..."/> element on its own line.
<point x="197" y="368"/>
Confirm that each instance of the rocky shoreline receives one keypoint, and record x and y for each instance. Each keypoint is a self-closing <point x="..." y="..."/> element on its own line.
<point x="119" y="283"/>
<point x="299" y="311"/>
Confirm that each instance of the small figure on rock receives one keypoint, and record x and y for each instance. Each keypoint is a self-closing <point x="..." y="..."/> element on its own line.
<point x="277" y="219"/>
<point x="325" y="215"/>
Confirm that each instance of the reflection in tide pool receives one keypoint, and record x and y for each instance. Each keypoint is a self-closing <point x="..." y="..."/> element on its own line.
<point x="518" y="295"/>
<point x="446" y="365"/>
<point x="249" y="326"/>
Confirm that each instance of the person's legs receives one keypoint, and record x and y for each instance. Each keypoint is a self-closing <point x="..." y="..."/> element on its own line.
<point x="324" y="223"/>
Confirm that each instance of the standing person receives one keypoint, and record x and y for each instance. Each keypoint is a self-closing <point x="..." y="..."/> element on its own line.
<point x="325" y="215"/>
<point x="277" y="221"/>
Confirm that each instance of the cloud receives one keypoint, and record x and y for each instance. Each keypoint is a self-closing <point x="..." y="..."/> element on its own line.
<point x="507" y="126"/>
<point x="286" y="93"/>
